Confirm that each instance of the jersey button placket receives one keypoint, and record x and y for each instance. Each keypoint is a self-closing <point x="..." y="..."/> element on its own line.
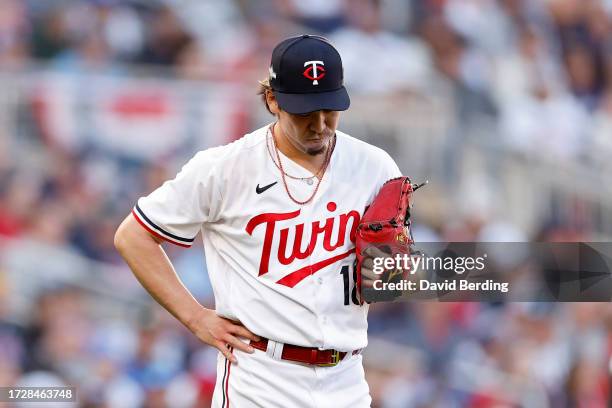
<point x="321" y="202"/>
<point x="323" y="318"/>
<point x="316" y="281"/>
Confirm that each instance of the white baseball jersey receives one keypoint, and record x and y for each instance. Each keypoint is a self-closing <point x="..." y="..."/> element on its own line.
<point x="285" y="271"/>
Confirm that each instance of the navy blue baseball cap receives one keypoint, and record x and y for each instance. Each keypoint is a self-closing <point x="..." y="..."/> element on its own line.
<point x="306" y="75"/>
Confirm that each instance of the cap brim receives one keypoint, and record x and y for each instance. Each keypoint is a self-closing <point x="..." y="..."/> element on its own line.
<point x="337" y="100"/>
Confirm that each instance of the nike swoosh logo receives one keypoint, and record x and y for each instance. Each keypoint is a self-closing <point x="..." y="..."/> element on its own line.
<point x="260" y="190"/>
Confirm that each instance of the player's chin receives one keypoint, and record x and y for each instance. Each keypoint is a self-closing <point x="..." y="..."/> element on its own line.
<point x="315" y="151"/>
<point x="315" y="147"/>
<point x="312" y="146"/>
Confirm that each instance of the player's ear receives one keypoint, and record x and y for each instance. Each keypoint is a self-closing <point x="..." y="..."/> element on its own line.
<point x="272" y="103"/>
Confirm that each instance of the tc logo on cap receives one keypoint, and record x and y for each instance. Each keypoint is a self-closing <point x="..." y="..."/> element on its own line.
<point x="314" y="72"/>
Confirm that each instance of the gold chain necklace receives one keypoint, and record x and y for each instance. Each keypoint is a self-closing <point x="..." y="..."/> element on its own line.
<point x="321" y="170"/>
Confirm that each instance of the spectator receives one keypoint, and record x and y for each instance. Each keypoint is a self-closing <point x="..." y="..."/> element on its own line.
<point x="376" y="61"/>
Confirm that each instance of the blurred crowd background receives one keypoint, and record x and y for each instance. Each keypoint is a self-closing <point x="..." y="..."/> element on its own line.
<point x="504" y="105"/>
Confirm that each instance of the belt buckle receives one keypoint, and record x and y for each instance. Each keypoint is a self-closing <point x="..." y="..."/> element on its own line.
<point x="335" y="360"/>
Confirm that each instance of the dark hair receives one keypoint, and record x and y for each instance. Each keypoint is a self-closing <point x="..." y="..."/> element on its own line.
<point x="264" y="87"/>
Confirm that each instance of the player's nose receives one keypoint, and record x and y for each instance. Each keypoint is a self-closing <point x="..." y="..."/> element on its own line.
<point x="317" y="122"/>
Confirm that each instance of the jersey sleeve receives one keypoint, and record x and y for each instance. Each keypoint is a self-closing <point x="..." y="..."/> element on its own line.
<point x="176" y="210"/>
<point x="392" y="170"/>
<point x="389" y="170"/>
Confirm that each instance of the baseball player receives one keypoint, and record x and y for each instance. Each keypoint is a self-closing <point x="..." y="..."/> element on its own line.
<point x="277" y="210"/>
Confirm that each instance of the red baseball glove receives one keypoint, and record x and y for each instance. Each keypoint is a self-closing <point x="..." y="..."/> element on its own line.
<point x="383" y="232"/>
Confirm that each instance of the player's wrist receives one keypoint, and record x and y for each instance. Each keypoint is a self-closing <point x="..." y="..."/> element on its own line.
<point x="194" y="317"/>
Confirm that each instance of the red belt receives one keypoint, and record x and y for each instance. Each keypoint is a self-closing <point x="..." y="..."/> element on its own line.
<point x="308" y="355"/>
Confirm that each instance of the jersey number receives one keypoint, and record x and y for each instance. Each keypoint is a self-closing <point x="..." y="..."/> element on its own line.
<point x="347" y="285"/>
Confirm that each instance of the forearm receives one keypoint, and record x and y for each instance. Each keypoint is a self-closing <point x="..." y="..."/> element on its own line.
<point x="153" y="269"/>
